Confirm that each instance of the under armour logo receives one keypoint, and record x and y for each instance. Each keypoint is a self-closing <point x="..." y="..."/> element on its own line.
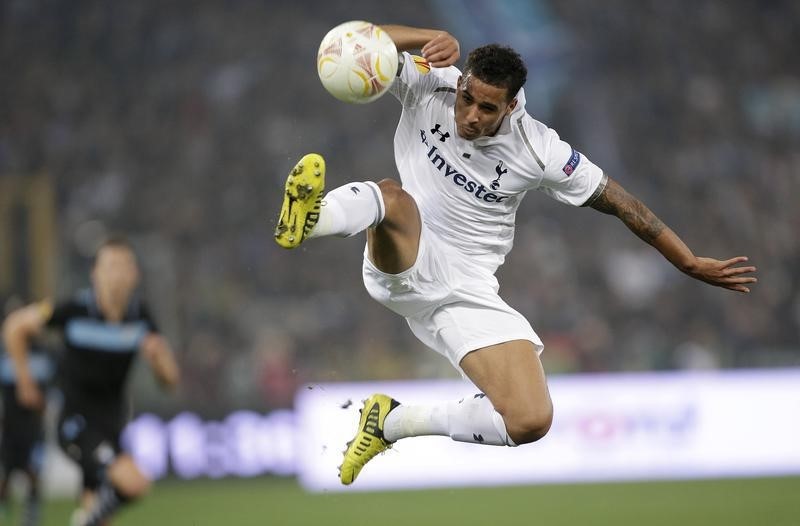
<point x="500" y="171"/>
<point x="442" y="135"/>
<point x="477" y="438"/>
<point x="479" y="395"/>
<point x="355" y="189"/>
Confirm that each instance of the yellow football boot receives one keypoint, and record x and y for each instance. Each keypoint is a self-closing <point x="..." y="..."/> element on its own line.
<point x="369" y="440"/>
<point x="301" y="201"/>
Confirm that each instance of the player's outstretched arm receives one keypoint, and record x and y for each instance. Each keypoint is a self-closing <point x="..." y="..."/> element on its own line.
<point x="727" y="274"/>
<point x="438" y="47"/>
<point x="20" y="326"/>
<point x="158" y="354"/>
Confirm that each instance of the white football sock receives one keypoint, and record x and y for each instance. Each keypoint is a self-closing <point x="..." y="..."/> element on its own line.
<point x="349" y="209"/>
<point x="469" y="420"/>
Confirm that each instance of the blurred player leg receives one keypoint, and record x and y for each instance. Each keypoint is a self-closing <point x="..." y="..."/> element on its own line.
<point x="22" y="452"/>
<point x="123" y="483"/>
<point x="32" y="510"/>
<point x="5" y="512"/>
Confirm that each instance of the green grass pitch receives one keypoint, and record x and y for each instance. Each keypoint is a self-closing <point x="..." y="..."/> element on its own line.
<point x="280" y="501"/>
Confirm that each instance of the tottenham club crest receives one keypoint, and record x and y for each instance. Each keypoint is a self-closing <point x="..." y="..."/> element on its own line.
<point x="500" y="171"/>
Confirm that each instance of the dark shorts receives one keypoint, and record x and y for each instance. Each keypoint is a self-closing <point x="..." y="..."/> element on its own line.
<point x="91" y="438"/>
<point x="22" y="435"/>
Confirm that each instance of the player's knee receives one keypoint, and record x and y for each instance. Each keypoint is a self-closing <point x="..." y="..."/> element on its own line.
<point x="394" y="197"/>
<point x="126" y="478"/>
<point x="133" y="488"/>
<point x="389" y="186"/>
<point x="529" y="425"/>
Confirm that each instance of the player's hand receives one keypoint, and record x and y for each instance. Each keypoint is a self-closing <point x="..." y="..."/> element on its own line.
<point x="29" y="395"/>
<point x="442" y="51"/>
<point x="152" y="344"/>
<point x="727" y="274"/>
<point x="156" y="350"/>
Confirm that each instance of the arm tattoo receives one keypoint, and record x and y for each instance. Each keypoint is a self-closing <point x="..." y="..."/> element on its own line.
<point x="614" y="200"/>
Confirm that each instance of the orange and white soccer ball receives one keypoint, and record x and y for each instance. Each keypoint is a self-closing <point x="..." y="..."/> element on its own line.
<point x="357" y="62"/>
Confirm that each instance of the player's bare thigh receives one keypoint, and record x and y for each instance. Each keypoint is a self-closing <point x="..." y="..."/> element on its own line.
<point x="512" y="376"/>
<point x="394" y="243"/>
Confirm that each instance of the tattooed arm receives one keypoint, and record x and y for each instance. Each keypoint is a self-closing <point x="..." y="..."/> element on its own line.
<point x="614" y="200"/>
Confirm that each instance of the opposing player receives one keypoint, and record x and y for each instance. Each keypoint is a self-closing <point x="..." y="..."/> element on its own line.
<point x="104" y="329"/>
<point x="22" y="435"/>
<point x="467" y="152"/>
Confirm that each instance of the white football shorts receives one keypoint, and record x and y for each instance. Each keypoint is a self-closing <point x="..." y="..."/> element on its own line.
<point x="451" y="307"/>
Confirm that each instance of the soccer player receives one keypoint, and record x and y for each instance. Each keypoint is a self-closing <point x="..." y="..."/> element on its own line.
<point x="104" y="328"/>
<point x="467" y="153"/>
<point x="22" y="438"/>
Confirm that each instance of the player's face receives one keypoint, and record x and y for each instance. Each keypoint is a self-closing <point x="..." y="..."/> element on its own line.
<point x="480" y="107"/>
<point x="115" y="272"/>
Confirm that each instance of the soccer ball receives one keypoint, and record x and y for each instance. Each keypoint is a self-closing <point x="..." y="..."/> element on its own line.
<point x="357" y="62"/>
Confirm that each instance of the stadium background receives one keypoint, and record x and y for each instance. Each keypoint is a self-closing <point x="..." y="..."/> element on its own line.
<point x="175" y="123"/>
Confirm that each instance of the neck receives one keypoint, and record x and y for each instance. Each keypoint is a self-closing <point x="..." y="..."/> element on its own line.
<point x="113" y="307"/>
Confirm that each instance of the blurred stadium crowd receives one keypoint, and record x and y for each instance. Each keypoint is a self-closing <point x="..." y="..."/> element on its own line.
<point x="176" y="122"/>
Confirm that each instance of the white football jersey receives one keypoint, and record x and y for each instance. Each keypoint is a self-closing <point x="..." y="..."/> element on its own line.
<point x="468" y="192"/>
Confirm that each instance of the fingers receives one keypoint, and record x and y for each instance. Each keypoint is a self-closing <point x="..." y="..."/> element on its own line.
<point x="738" y="288"/>
<point x="725" y="273"/>
<point x="732" y="271"/>
<point x="737" y="283"/>
<point x="734" y="261"/>
<point x="733" y="278"/>
<point x="151" y="343"/>
<point x="440" y="58"/>
<point x="434" y="46"/>
<point x="744" y="289"/>
<point x="441" y="51"/>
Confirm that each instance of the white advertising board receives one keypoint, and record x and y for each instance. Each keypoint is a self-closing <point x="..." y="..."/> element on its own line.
<point x="607" y="427"/>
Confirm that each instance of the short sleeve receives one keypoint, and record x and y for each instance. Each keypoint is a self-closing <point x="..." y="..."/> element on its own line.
<point x="569" y="176"/>
<point x="416" y="79"/>
<point x="62" y="312"/>
<point x="148" y="319"/>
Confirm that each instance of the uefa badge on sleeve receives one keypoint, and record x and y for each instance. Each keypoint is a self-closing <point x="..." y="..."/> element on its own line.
<point x="574" y="159"/>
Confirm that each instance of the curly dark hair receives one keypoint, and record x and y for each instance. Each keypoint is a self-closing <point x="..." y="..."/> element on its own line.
<point x="499" y="66"/>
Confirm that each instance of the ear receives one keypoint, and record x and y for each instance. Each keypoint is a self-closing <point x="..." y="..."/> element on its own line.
<point x="511" y="106"/>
